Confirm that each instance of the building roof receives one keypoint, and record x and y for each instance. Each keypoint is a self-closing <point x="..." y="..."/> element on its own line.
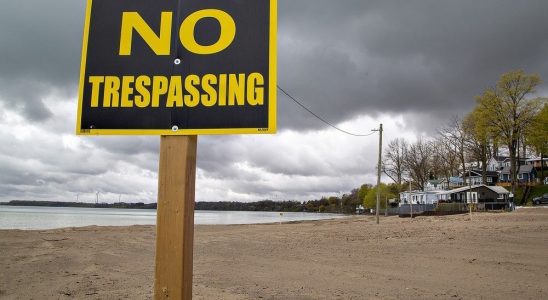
<point x="477" y="173"/>
<point x="502" y="158"/>
<point x="461" y="189"/>
<point x="496" y="189"/>
<point x="537" y="159"/>
<point x="418" y="192"/>
<point x="522" y="169"/>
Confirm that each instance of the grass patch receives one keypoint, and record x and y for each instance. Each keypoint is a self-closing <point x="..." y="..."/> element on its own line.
<point x="537" y="191"/>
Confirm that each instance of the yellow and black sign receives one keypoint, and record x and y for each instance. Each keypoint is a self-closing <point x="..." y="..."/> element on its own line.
<point x="178" y="67"/>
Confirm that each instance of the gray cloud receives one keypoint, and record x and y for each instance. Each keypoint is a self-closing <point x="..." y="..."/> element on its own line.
<point x="351" y="58"/>
<point x="41" y="43"/>
<point x="410" y="64"/>
<point x="341" y="58"/>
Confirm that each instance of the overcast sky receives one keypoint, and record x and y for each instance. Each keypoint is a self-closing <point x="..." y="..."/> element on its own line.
<point x="411" y="65"/>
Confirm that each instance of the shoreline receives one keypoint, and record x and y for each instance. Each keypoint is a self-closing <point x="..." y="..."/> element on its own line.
<point x="500" y="256"/>
<point x="28" y="218"/>
<point x="106" y="227"/>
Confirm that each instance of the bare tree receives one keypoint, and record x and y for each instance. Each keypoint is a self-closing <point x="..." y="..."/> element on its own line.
<point x="455" y="135"/>
<point x="446" y="157"/>
<point x="393" y="164"/>
<point x="418" y="162"/>
<point x="478" y="140"/>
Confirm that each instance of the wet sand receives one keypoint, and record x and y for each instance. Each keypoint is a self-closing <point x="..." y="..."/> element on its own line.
<point x="492" y="256"/>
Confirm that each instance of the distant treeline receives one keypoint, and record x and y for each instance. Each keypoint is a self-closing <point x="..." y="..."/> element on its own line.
<point x="325" y="205"/>
<point x="265" y="205"/>
<point x="139" y="205"/>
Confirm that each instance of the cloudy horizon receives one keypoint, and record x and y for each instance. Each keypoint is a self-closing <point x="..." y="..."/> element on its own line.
<point x="411" y="66"/>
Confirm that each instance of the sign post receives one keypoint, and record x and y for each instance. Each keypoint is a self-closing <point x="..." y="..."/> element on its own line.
<point x="177" y="68"/>
<point x="175" y="217"/>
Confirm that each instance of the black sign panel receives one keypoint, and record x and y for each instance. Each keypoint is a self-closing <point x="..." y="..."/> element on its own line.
<point x="178" y="67"/>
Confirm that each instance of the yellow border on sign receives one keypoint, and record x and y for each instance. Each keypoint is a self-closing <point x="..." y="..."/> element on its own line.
<point x="272" y="91"/>
<point x="83" y="68"/>
<point x="272" y="64"/>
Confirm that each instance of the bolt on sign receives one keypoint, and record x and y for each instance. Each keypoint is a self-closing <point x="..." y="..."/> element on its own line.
<point x="178" y="67"/>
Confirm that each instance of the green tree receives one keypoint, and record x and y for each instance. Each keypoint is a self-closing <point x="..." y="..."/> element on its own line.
<point x="387" y="192"/>
<point x="508" y="113"/>
<point x="537" y="135"/>
<point x="478" y="139"/>
<point x="364" y="189"/>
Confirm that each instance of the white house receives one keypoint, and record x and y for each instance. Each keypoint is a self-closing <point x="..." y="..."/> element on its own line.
<point x="436" y="185"/>
<point x="419" y="197"/>
<point x="493" y="165"/>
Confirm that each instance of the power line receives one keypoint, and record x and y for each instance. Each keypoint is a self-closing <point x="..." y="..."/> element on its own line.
<point x="320" y="118"/>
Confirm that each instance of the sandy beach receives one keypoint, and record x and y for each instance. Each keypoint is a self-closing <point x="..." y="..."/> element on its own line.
<point x="492" y="256"/>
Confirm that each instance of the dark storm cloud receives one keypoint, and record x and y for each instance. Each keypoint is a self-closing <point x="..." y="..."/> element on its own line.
<point x="40" y="44"/>
<point x="355" y="57"/>
<point x="41" y="40"/>
<point x="341" y="58"/>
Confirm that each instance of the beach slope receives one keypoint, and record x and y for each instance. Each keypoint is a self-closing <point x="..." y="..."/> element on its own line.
<point x="492" y="256"/>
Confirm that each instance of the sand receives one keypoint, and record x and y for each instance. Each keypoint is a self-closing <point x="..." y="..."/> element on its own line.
<point x="492" y="256"/>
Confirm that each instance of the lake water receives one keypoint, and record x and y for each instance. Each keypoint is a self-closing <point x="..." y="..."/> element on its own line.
<point x="35" y="217"/>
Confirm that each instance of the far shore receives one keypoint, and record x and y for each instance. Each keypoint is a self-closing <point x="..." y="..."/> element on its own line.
<point x="490" y="256"/>
<point x="260" y="206"/>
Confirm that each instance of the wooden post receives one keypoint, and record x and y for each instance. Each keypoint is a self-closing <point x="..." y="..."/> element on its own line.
<point x="379" y="175"/>
<point x="385" y="205"/>
<point x="175" y="218"/>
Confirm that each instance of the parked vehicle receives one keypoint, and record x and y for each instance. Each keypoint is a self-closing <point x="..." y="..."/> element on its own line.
<point x="541" y="200"/>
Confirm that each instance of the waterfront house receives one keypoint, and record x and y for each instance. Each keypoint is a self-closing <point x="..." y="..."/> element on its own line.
<point x="436" y="185"/>
<point x="536" y="162"/>
<point x="419" y="197"/>
<point x="474" y="177"/>
<point x="525" y="174"/>
<point x="500" y="162"/>
<point x="455" y="181"/>
<point x="488" y="197"/>
<point x="493" y="165"/>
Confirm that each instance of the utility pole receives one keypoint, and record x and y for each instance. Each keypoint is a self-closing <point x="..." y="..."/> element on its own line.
<point x="469" y="190"/>
<point x="410" y="201"/>
<point x="379" y="173"/>
<point x="385" y="205"/>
